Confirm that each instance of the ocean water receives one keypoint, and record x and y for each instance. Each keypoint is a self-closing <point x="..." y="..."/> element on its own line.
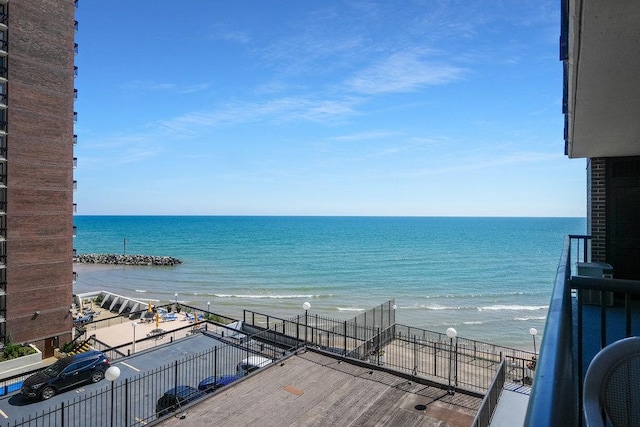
<point x="490" y="278"/>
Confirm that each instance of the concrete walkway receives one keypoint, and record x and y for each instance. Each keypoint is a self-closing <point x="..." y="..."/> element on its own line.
<point x="511" y="410"/>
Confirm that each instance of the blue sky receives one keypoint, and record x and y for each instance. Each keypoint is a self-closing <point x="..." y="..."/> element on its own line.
<point x="420" y="108"/>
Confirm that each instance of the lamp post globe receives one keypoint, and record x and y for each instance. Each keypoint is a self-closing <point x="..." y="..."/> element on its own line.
<point x="534" y="332"/>
<point x="112" y="373"/>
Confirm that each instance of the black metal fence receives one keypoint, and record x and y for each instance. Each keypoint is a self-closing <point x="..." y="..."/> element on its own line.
<point x="585" y="315"/>
<point x="490" y="401"/>
<point x="374" y="338"/>
<point x="134" y="401"/>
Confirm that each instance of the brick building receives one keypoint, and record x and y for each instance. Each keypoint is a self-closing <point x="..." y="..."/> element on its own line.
<point x="36" y="171"/>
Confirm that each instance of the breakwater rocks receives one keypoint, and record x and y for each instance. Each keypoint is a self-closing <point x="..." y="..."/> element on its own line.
<point x="116" y="259"/>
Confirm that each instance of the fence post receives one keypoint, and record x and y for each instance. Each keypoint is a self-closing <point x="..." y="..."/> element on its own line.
<point x="175" y="374"/>
<point x="126" y="401"/>
<point x="62" y="414"/>
<point x="344" y="341"/>
<point x="415" y="356"/>
<point x="456" y="364"/>
<point x="298" y="329"/>
<point x="435" y="359"/>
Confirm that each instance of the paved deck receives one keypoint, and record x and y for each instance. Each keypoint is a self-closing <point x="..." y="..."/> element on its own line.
<point x="312" y="389"/>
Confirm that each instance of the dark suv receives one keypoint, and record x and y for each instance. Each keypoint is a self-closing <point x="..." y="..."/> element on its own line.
<point x="174" y="398"/>
<point x="70" y="371"/>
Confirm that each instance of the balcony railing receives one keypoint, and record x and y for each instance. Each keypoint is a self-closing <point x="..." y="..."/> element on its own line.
<point x="602" y="310"/>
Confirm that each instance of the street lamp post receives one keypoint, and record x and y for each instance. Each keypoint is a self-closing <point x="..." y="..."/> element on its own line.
<point x="306" y="306"/>
<point x="175" y="308"/>
<point x="134" y="324"/>
<point x="111" y="375"/>
<point x="534" y="332"/>
<point x="451" y="333"/>
<point x="208" y="307"/>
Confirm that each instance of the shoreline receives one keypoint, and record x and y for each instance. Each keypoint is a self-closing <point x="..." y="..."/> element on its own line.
<point x="156" y="285"/>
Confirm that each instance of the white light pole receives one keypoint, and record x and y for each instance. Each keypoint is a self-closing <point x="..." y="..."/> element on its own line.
<point x="208" y="307"/>
<point x="111" y="375"/>
<point x="134" y="324"/>
<point x="306" y="306"/>
<point x="175" y="308"/>
<point x="451" y="333"/>
<point x="534" y="332"/>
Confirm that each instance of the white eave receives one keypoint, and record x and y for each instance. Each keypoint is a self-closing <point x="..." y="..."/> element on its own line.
<point x="602" y="75"/>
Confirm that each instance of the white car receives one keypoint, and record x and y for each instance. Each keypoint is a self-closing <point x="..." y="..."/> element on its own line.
<point x="252" y="363"/>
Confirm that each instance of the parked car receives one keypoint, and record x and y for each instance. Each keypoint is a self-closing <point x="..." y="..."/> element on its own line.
<point x="65" y="373"/>
<point x="174" y="398"/>
<point x="251" y="363"/>
<point x="245" y="367"/>
<point x="212" y="383"/>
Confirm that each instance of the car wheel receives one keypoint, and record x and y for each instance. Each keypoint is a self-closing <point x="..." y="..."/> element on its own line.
<point x="97" y="376"/>
<point x="47" y="393"/>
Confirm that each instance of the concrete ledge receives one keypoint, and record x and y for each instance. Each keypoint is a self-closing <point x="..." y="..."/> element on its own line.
<point x="21" y="364"/>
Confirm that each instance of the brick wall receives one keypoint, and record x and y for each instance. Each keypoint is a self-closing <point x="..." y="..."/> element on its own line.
<point x="596" y="204"/>
<point x="40" y="169"/>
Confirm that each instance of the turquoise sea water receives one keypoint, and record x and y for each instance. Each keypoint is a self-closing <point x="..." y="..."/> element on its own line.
<point x="490" y="278"/>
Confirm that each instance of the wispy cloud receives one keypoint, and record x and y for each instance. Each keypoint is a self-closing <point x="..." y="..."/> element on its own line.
<point x="193" y="88"/>
<point x="472" y="164"/>
<point x="121" y="149"/>
<point x="404" y="72"/>
<point x="151" y="86"/>
<point x="277" y="110"/>
<point x="222" y="32"/>
<point x="364" y="136"/>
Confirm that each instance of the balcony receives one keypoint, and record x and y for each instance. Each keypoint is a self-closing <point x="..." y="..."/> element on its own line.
<point x="585" y="315"/>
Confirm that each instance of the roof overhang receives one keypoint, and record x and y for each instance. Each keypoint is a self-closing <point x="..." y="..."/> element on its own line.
<point x="600" y="47"/>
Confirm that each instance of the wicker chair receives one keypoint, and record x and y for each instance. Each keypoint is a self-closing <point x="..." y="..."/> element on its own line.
<point x="612" y="385"/>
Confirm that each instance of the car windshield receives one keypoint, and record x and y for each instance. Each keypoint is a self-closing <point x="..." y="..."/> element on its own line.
<point x="54" y="369"/>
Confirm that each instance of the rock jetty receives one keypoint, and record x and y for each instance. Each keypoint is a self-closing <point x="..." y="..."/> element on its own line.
<point x="116" y="259"/>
